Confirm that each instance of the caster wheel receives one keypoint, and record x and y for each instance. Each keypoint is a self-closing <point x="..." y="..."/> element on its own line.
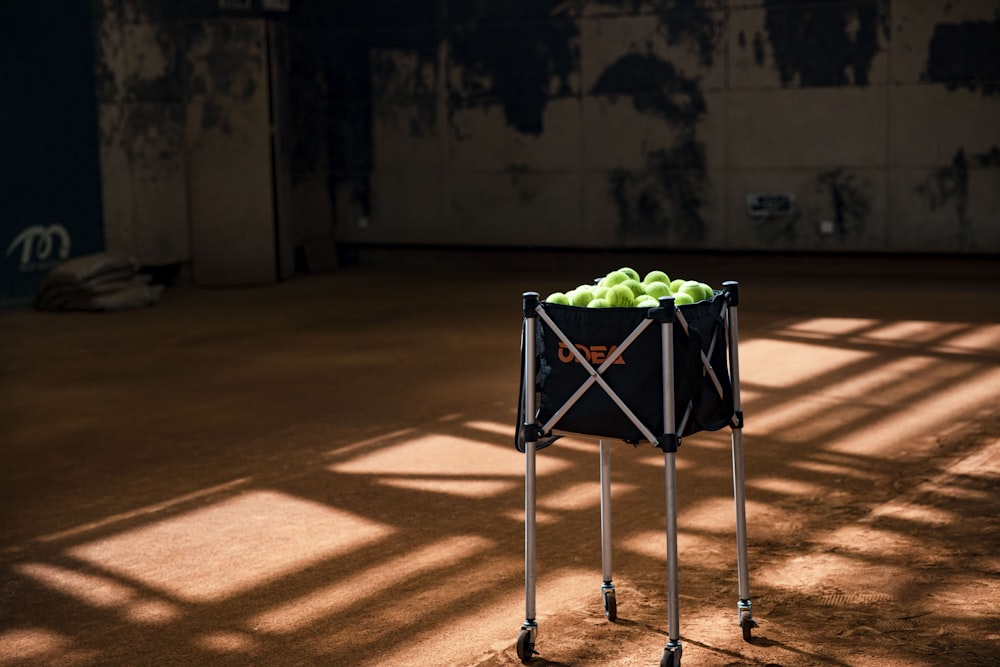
<point x="610" y="605"/>
<point x="670" y="659"/>
<point x="747" y="624"/>
<point x="525" y="647"/>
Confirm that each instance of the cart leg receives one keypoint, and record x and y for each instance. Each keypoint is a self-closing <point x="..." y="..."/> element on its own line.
<point x="744" y="608"/>
<point x="607" y="587"/>
<point x="672" y="651"/>
<point x="529" y="629"/>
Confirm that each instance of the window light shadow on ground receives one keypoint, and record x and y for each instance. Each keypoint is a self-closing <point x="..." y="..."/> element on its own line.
<point x="199" y="484"/>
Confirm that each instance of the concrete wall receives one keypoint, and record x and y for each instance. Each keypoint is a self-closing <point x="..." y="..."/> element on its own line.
<point x="593" y="124"/>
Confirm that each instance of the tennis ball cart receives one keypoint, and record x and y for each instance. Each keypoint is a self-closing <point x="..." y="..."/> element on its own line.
<point x="651" y="375"/>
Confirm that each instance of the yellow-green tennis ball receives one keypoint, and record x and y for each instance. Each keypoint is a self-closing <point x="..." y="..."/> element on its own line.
<point x="646" y="301"/>
<point x="557" y="297"/>
<point x="614" y="278"/>
<point x="635" y="286"/>
<point x="682" y="298"/>
<point x="693" y="287"/>
<point x="600" y="291"/>
<point x="675" y="285"/>
<point x="656" y="277"/>
<point x="707" y="290"/>
<point x="581" y="296"/>
<point x="630" y="272"/>
<point x="620" y="296"/>
<point x="657" y="289"/>
<point x="598" y="303"/>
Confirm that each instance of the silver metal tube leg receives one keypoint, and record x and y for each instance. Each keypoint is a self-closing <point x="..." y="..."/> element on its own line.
<point x="529" y="472"/>
<point x="739" y="485"/>
<point x="669" y="447"/>
<point x="606" y="562"/>
<point x="673" y="597"/>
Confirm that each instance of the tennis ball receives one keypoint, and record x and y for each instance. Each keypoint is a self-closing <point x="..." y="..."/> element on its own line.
<point x="656" y="277"/>
<point x="614" y="278"/>
<point x="598" y="303"/>
<point x="557" y="297"/>
<point x="693" y="287"/>
<point x="707" y="290"/>
<point x="682" y="298"/>
<point x="675" y="285"/>
<point x="646" y="301"/>
<point x="630" y="272"/>
<point x="657" y="289"/>
<point x="620" y="296"/>
<point x="600" y="291"/>
<point x="581" y="296"/>
<point x="635" y="286"/>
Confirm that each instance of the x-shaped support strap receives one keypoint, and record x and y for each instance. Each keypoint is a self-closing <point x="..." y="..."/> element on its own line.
<point x="595" y="376"/>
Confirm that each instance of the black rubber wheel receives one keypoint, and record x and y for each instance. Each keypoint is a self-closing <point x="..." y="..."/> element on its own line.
<point x="667" y="660"/>
<point x="610" y="606"/>
<point x="747" y="630"/>
<point x="525" y="647"/>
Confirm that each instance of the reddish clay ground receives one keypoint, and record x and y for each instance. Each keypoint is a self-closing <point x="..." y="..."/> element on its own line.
<point x="322" y="473"/>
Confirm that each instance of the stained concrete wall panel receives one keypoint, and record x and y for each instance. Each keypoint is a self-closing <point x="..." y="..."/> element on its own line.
<point x="695" y="52"/>
<point x="406" y="137"/>
<point x="408" y="207"/>
<point x="853" y="201"/>
<point x="914" y="24"/>
<point x="144" y="189"/>
<point x="622" y="131"/>
<point x="808" y="127"/>
<point x="929" y="124"/>
<point x="516" y="208"/>
<point x="483" y="139"/>
<point x="228" y="144"/>
<point x="945" y="209"/>
<point x="647" y="207"/>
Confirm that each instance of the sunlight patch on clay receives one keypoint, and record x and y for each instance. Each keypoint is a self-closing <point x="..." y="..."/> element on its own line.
<point x="934" y="516"/>
<point x="444" y="455"/>
<point x="915" y="427"/>
<point x="363" y="586"/>
<point x="472" y="488"/>
<point x="226" y="642"/>
<point x="785" y="486"/>
<point x="232" y="546"/>
<point x="493" y="427"/>
<point x="580" y="496"/>
<point x="780" y="365"/>
<point x="716" y="515"/>
<point x="27" y="644"/>
<point x="832" y="326"/>
<point x="88" y="588"/>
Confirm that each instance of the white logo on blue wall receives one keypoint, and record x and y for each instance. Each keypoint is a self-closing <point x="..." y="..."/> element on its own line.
<point x="41" y="247"/>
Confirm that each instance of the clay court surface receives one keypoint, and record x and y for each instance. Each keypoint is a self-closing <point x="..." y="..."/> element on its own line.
<point x="321" y="472"/>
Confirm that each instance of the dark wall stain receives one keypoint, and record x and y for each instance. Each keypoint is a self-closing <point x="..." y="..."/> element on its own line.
<point x="825" y="42"/>
<point x="848" y="201"/>
<point x="663" y="200"/>
<point x="949" y="186"/>
<point x="513" y="65"/>
<point x="966" y="55"/>
<point x="990" y="158"/>
<point x="666" y="197"/>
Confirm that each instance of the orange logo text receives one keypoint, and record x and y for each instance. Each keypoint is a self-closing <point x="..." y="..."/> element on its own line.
<point x="595" y="354"/>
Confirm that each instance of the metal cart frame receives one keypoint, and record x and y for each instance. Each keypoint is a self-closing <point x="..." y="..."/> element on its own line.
<point x="532" y="433"/>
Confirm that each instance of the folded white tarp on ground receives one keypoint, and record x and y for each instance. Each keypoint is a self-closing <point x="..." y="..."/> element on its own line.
<point x="101" y="281"/>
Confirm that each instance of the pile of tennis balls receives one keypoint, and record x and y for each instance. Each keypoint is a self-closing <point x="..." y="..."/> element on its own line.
<point x="623" y="288"/>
